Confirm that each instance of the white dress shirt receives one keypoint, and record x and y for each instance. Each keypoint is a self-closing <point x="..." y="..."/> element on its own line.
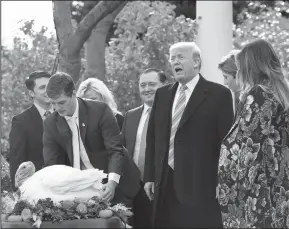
<point x="191" y="86"/>
<point x="139" y="133"/>
<point x="42" y="111"/>
<point x="86" y="163"/>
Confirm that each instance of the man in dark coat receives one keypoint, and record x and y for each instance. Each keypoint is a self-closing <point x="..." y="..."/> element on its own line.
<point x="188" y="122"/>
<point x="25" y="138"/>
<point x="84" y="134"/>
<point x="134" y="138"/>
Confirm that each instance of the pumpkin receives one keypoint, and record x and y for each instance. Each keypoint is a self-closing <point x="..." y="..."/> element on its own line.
<point x="105" y="213"/>
<point x="14" y="218"/>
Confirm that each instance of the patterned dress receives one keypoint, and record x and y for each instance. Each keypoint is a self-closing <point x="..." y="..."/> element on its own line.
<point x="253" y="172"/>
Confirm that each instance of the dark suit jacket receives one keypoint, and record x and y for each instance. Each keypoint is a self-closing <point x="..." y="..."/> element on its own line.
<point x="25" y="140"/>
<point x="142" y="207"/>
<point x="101" y="138"/>
<point x="119" y="119"/>
<point x="206" y="120"/>
<point x="129" y="128"/>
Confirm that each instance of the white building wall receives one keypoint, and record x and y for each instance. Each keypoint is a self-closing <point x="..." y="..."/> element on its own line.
<point x="215" y="35"/>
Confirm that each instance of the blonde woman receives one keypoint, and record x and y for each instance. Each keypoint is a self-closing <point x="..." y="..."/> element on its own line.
<point x="253" y="173"/>
<point x="95" y="89"/>
<point x="229" y="70"/>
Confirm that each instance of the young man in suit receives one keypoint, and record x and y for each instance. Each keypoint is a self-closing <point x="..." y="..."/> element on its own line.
<point x="188" y="121"/>
<point x="84" y="134"/>
<point x="134" y="138"/>
<point x="25" y="137"/>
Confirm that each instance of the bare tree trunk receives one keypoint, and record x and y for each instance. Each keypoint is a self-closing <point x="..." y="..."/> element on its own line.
<point x="95" y="46"/>
<point x="71" y="42"/>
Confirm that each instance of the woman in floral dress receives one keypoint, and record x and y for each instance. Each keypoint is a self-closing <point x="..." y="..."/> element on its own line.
<point x="253" y="173"/>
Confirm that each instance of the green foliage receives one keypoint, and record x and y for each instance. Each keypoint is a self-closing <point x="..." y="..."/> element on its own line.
<point x="143" y="34"/>
<point x="268" y="24"/>
<point x="80" y="8"/>
<point x="20" y="206"/>
<point x="5" y="176"/>
<point x="250" y="7"/>
<point x="47" y="210"/>
<point x="145" y="30"/>
<point x="31" y="51"/>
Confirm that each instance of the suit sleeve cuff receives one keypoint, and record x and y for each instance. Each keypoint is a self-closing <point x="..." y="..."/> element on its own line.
<point x="113" y="176"/>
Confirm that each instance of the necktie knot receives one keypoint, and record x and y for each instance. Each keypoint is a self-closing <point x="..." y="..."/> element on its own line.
<point x="149" y="110"/>
<point x="183" y="88"/>
<point x="46" y="114"/>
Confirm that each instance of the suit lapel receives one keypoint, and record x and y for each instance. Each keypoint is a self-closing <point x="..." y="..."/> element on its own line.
<point x="65" y="132"/>
<point x="235" y="124"/>
<point x="65" y="135"/>
<point x="170" y="100"/>
<point x="83" y="119"/>
<point x="197" y="97"/>
<point x="237" y="118"/>
<point x="36" y="117"/>
<point x="135" y="119"/>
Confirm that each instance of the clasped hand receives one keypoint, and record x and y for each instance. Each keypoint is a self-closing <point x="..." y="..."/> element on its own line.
<point x="108" y="190"/>
<point x="149" y="188"/>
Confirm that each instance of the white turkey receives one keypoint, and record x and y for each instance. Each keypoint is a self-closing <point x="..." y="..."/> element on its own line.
<point x="58" y="182"/>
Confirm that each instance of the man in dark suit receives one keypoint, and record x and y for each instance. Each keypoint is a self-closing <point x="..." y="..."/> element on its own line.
<point x="84" y="134"/>
<point x="188" y="121"/>
<point x="134" y="139"/>
<point x="25" y="137"/>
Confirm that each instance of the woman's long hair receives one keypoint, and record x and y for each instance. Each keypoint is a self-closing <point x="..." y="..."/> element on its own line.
<point x="98" y="86"/>
<point x="259" y="65"/>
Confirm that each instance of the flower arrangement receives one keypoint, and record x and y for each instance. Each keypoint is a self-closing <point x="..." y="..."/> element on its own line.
<point x="47" y="210"/>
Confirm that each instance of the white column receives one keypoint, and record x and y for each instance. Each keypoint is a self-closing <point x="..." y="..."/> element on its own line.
<point x="215" y="35"/>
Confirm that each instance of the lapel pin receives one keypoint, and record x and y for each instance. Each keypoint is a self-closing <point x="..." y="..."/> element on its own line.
<point x="83" y="124"/>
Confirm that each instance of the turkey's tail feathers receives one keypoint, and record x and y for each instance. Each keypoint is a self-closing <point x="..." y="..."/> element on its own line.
<point x="77" y="181"/>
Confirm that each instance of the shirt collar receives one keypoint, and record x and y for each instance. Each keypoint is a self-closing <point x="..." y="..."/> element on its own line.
<point x="192" y="83"/>
<point x="145" y="108"/>
<point x="41" y="110"/>
<point x="75" y="114"/>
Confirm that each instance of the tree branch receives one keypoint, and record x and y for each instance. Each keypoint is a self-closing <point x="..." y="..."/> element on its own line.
<point x="95" y="46"/>
<point x="62" y="20"/>
<point x="107" y="21"/>
<point x="101" y="10"/>
<point x="114" y="14"/>
<point x="87" y="6"/>
<point x="5" y="56"/>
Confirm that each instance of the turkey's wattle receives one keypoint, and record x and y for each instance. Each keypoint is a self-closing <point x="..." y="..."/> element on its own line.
<point x="24" y="171"/>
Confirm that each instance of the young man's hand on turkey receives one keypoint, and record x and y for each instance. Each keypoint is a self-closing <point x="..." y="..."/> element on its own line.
<point x="108" y="190"/>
